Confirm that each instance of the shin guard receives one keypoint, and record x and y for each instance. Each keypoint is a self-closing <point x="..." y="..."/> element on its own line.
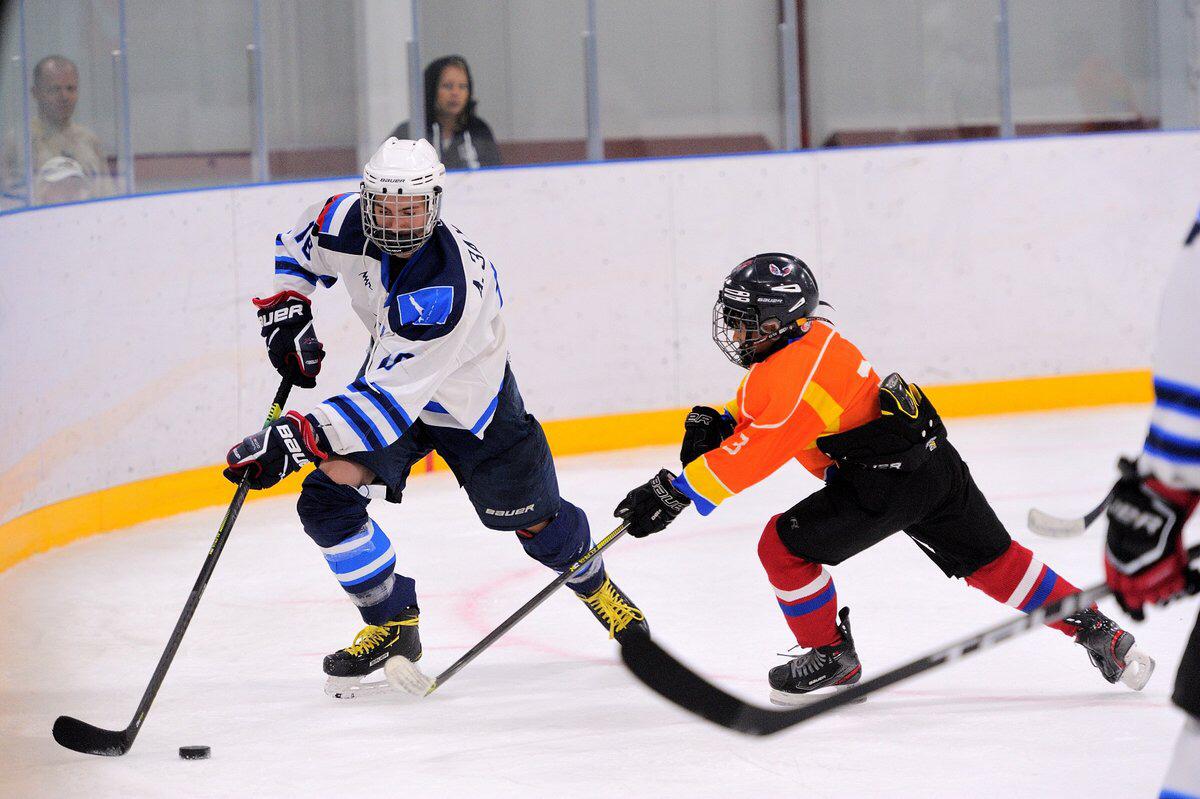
<point x="355" y="547"/>
<point x="1020" y="580"/>
<point x="563" y="541"/>
<point x="804" y="590"/>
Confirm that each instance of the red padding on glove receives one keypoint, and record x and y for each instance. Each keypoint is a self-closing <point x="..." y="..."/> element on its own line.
<point x="275" y="299"/>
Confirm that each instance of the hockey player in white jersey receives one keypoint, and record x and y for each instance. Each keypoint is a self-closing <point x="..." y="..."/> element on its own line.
<point x="436" y="379"/>
<point x="1145" y="559"/>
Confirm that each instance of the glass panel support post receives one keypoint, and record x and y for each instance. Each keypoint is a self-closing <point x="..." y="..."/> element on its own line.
<point x="789" y="61"/>
<point x="416" y="81"/>
<point x="1004" y="72"/>
<point x="27" y="86"/>
<point x="591" y="87"/>
<point x="259" y="163"/>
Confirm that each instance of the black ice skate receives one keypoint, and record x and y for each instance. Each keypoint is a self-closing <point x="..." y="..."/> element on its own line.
<point x="374" y="647"/>
<point x="616" y="611"/>
<point x="819" y="671"/>
<point x="1111" y="649"/>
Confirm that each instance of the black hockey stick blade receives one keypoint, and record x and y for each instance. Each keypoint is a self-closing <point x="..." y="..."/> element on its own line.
<point x="672" y="680"/>
<point x="83" y="737"/>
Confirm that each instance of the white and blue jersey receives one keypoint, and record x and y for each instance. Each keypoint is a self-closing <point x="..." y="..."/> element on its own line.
<point x="1172" y="449"/>
<point x="438" y="345"/>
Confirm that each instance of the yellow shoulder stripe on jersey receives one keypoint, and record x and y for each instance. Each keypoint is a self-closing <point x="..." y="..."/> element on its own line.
<point x="824" y="404"/>
<point x="705" y="483"/>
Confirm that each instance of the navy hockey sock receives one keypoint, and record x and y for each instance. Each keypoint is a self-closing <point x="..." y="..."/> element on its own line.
<point x="355" y="547"/>
<point x="563" y="541"/>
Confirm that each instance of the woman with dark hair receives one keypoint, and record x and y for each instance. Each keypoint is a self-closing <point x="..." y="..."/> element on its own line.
<point x="462" y="140"/>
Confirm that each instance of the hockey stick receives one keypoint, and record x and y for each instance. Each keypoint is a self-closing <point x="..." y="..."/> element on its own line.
<point x="1056" y="527"/>
<point x="83" y="737"/>
<point x="663" y="673"/>
<point x="415" y="682"/>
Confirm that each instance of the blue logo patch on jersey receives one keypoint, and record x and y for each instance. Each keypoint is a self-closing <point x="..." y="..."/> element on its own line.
<point x="427" y="306"/>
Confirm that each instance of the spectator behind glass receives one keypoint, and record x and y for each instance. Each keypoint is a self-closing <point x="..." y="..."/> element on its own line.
<point x="55" y="136"/>
<point x="462" y="140"/>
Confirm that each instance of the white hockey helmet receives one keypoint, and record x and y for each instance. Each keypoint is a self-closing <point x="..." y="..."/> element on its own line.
<point x="402" y="195"/>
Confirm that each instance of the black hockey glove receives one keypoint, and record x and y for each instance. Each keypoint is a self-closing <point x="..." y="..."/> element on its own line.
<point x="287" y="325"/>
<point x="703" y="430"/>
<point x="649" y="508"/>
<point x="276" y="451"/>
<point x="1144" y="559"/>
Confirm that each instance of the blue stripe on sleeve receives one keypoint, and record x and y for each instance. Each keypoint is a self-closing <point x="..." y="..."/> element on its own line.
<point x="702" y="505"/>
<point x="283" y="268"/>
<point x="362" y="425"/>
<point x="1178" y="397"/>
<point x="1172" y="447"/>
<point x="487" y="415"/>
<point x="394" y="415"/>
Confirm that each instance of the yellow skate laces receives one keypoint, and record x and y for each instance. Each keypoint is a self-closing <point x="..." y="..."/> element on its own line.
<point x="609" y="606"/>
<point x="372" y="636"/>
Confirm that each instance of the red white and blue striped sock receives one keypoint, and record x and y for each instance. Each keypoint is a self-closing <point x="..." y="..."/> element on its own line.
<point x="1020" y="580"/>
<point x="804" y="590"/>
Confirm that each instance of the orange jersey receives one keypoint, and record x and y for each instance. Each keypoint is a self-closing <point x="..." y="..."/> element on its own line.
<point x="816" y="385"/>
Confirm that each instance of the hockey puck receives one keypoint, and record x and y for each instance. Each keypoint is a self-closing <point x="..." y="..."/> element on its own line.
<point x="194" y="752"/>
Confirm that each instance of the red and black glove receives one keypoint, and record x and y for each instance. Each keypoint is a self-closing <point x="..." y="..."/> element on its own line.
<point x="292" y="346"/>
<point x="1144" y="560"/>
<point x="276" y="451"/>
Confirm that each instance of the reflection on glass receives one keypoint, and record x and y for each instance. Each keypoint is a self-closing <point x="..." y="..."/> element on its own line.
<point x="1083" y="65"/>
<point x="524" y="93"/>
<point x="190" y="95"/>
<point x="902" y="71"/>
<point x="689" y="76"/>
<point x="71" y="121"/>
<point x="313" y="93"/>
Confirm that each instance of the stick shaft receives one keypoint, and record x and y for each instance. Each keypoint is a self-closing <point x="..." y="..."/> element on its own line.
<point x="210" y="563"/>
<point x="527" y="608"/>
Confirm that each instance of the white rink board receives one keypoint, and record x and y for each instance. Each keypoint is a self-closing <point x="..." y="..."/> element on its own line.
<point x="137" y="352"/>
<point x="549" y="711"/>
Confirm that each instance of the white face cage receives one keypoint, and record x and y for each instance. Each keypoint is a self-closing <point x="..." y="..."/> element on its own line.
<point x="399" y="223"/>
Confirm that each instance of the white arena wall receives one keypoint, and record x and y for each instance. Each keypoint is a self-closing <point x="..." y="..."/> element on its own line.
<point x="132" y="350"/>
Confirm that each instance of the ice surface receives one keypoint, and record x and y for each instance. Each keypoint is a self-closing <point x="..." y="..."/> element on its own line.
<point x="549" y="711"/>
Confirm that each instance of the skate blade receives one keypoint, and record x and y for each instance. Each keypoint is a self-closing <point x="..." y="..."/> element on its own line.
<point x="786" y="699"/>
<point x="1139" y="666"/>
<point x="403" y="675"/>
<point x="354" y="687"/>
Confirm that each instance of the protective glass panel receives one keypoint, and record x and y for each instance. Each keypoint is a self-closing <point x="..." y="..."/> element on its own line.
<point x="72" y="124"/>
<point x="681" y="77"/>
<point x="313" y="90"/>
<point x="901" y="71"/>
<point x="13" y="99"/>
<point x="190" y="92"/>
<point x="1082" y="66"/>
<point x="525" y="59"/>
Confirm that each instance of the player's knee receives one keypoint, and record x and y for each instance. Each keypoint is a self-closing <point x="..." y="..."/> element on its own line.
<point x="329" y="511"/>
<point x="784" y="538"/>
<point x="561" y="540"/>
<point x="770" y="545"/>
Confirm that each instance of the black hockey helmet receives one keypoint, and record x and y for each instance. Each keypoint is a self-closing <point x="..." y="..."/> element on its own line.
<point x="763" y="304"/>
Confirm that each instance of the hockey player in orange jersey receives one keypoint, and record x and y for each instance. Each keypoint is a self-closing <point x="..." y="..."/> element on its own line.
<point x="882" y="451"/>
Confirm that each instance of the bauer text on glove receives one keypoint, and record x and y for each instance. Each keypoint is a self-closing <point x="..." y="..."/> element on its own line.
<point x="653" y="505"/>
<point x="276" y="451"/>
<point x="292" y="344"/>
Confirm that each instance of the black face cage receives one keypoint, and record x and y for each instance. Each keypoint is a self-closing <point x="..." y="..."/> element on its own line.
<point x="728" y="321"/>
